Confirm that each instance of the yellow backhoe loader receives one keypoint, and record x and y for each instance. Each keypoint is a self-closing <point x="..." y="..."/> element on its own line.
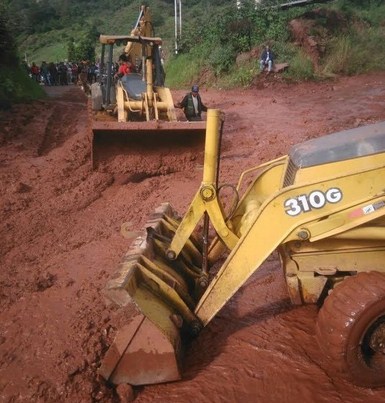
<point x="322" y="207"/>
<point x="138" y="104"/>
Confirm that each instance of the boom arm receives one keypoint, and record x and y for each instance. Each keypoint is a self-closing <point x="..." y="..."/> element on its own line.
<point x="165" y="273"/>
<point x="272" y="226"/>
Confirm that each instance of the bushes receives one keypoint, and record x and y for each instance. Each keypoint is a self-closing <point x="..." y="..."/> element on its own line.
<point x="17" y="86"/>
<point x="221" y="59"/>
<point x="339" y="56"/>
<point x="240" y="77"/>
<point x="182" y="70"/>
<point x="215" y="32"/>
<point x="301" y="67"/>
<point x="358" y="52"/>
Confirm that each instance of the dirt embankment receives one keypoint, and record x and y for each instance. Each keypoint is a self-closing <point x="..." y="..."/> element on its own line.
<point x="60" y="241"/>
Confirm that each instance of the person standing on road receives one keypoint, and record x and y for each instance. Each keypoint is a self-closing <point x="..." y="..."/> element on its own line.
<point x="45" y="74"/>
<point x="192" y="105"/>
<point x="62" y="71"/>
<point x="52" y="69"/>
<point x="267" y="59"/>
<point x="35" y="72"/>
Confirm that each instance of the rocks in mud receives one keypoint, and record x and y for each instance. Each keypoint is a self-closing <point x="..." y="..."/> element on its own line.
<point x="125" y="392"/>
<point x="21" y="187"/>
<point x="43" y="282"/>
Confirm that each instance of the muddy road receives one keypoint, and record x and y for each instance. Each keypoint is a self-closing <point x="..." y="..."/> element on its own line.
<point x="61" y="241"/>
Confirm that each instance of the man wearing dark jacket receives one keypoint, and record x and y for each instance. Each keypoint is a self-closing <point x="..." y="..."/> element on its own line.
<point x="192" y="105"/>
<point x="267" y="59"/>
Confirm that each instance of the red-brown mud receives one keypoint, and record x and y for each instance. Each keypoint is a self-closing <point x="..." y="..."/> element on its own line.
<point x="61" y="240"/>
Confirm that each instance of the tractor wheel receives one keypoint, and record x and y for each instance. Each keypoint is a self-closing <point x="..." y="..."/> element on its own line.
<point x="351" y="329"/>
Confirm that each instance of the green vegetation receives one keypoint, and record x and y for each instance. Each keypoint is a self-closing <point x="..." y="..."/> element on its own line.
<point x="344" y="37"/>
<point x="181" y="71"/>
<point x="15" y="84"/>
<point x="220" y="43"/>
<point x="357" y="52"/>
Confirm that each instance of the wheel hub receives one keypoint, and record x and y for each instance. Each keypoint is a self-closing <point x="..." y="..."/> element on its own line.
<point x="377" y="338"/>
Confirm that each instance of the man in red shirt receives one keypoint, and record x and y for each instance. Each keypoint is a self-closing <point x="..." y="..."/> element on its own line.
<point x="125" y="67"/>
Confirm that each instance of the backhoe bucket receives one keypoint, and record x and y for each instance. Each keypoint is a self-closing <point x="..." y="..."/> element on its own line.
<point x="148" y="350"/>
<point x="164" y="274"/>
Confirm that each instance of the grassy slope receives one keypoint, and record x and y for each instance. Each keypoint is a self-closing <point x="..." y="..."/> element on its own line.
<point x="361" y="49"/>
<point x="17" y="86"/>
<point x="52" y="46"/>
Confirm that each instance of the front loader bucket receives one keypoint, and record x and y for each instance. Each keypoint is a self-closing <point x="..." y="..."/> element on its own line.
<point x="111" y="138"/>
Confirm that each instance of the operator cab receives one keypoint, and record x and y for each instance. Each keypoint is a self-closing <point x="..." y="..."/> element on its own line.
<point x="343" y="145"/>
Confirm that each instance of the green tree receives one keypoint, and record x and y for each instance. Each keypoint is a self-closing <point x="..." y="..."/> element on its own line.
<point x="7" y="45"/>
<point x="71" y="51"/>
<point x="84" y="49"/>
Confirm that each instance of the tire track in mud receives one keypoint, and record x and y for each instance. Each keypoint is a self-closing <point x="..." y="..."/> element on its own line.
<point x="58" y="130"/>
<point x="66" y="244"/>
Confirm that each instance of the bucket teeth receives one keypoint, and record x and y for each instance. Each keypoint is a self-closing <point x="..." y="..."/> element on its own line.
<point x="148" y="251"/>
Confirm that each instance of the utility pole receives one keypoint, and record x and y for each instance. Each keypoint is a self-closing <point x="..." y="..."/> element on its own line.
<point x="178" y="23"/>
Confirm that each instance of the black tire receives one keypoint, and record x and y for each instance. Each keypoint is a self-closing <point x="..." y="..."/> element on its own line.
<point x="351" y="329"/>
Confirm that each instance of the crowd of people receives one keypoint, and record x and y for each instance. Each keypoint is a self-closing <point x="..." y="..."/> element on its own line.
<point x="63" y="73"/>
<point x="86" y="73"/>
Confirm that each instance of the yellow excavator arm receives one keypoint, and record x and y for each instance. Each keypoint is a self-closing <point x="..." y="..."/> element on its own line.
<point x="322" y="202"/>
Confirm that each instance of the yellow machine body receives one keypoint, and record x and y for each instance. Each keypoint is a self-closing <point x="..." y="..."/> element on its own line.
<point x="322" y="207"/>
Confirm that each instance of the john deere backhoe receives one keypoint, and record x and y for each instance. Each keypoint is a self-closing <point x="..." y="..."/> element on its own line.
<point x="137" y="104"/>
<point x="322" y="207"/>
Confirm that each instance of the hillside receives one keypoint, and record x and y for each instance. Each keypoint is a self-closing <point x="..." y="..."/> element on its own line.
<point x="337" y="36"/>
<point x="43" y="29"/>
